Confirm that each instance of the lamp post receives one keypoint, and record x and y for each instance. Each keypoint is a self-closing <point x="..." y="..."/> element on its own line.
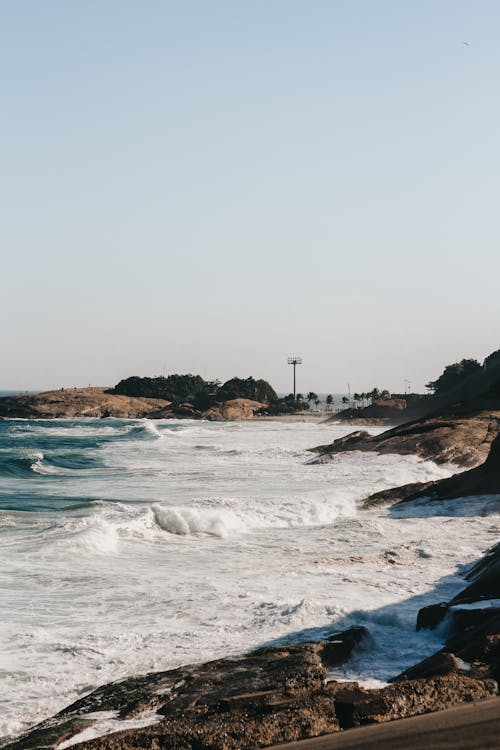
<point x="294" y="361"/>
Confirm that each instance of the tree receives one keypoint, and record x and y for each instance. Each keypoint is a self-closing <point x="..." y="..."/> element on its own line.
<point x="385" y="395"/>
<point x="329" y="399"/>
<point x="453" y="375"/>
<point x="345" y="400"/>
<point x="299" y="397"/>
<point x="194" y="390"/>
<point x="311" y="396"/>
<point x="256" y="390"/>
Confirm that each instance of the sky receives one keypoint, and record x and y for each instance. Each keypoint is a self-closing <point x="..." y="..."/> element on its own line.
<point x="211" y="187"/>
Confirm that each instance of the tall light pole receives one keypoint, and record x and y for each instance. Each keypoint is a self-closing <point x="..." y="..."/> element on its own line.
<point x="294" y="361"/>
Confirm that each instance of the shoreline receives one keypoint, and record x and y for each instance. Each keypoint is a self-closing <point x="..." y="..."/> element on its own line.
<point x="305" y="417"/>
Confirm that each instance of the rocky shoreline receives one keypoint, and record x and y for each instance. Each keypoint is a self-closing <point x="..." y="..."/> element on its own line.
<point x="482" y="480"/>
<point x="280" y="694"/>
<point x="100" y="402"/>
<point x="463" y="439"/>
<point x="283" y="693"/>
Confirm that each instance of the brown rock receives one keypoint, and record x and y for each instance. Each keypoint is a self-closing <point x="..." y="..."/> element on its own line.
<point x="233" y="410"/>
<point x="455" y="437"/>
<point x="411" y="698"/>
<point x="74" y="403"/>
<point x="437" y="665"/>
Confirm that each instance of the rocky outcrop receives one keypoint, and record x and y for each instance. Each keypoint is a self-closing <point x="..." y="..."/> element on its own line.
<point x="74" y="403"/>
<point x="233" y="410"/>
<point x="461" y="439"/>
<point x="273" y="695"/>
<point x="481" y="481"/>
<point x="472" y="620"/>
<point x="356" y="706"/>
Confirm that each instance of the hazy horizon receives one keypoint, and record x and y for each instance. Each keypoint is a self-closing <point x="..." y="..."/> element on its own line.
<point x="213" y="187"/>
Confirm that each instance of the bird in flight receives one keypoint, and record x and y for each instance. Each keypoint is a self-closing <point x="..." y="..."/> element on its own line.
<point x="467" y="44"/>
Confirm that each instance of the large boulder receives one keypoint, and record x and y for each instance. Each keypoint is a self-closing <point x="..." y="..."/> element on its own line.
<point x="462" y="439"/>
<point x="234" y="410"/>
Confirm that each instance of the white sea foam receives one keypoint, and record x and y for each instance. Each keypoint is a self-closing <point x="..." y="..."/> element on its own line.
<point x="39" y="467"/>
<point x="106" y="722"/>
<point x="479" y="604"/>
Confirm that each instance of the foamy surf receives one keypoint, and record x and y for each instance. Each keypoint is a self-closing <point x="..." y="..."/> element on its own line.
<point x="148" y="544"/>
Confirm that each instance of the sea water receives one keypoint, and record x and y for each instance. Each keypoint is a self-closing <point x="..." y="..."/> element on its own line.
<point x="135" y="545"/>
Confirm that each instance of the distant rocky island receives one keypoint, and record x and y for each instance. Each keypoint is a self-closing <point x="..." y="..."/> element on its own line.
<point x="175" y="396"/>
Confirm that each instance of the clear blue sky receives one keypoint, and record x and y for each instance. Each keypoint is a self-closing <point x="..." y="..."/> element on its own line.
<point x="217" y="185"/>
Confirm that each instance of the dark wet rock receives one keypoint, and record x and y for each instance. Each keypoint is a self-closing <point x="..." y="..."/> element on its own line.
<point x="396" y="494"/>
<point x="339" y="646"/>
<point x="475" y="644"/>
<point x="348" y="442"/>
<point x="429" y="617"/>
<point x="462" y="620"/>
<point x="487" y="586"/>
<point x="473" y="630"/>
<point x="457" y="437"/>
<point x="437" y="665"/>
<point x="489" y="561"/>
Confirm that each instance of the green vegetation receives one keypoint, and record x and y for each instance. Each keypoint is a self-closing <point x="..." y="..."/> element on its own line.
<point x="287" y="405"/>
<point x="454" y="375"/>
<point x="256" y="390"/>
<point x="176" y="388"/>
<point x="194" y="391"/>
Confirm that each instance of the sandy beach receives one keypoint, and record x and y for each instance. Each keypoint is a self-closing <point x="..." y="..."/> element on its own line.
<point x="312" y="417"/>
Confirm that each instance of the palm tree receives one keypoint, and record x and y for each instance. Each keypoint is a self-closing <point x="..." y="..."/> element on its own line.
<point x="329" y="400"/>
<point x="345" y="400"/>
<point x="311" y="396"/>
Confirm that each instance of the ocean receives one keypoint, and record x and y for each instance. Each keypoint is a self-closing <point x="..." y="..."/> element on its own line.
<point x="136" y="545"/>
